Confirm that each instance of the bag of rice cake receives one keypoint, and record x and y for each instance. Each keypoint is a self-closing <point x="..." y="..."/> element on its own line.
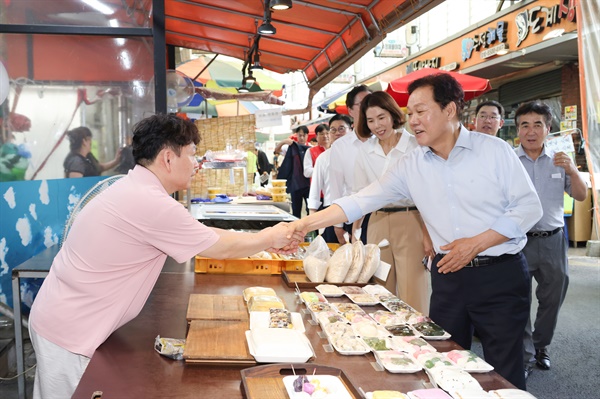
<point x="372" y="259"/>
<point x="338" y="265"/>
<point x="319" y="249"/>
<point x="315" y="269"/>
<point x="358" y="260"/>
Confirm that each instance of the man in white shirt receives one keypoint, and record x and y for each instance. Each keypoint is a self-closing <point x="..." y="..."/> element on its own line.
<point x="478" y="203"/>
<point x="343" y="157"/>
<point x="339" y="125"/>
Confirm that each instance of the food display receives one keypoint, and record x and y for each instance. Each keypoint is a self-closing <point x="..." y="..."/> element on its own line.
<point x="253" y="291"/>
<point x="402" y="330"/>
<point x="363" y="299"/>
<point x="263" y="320"/>
<point x="452" y="378"/>
<point x="432" y="393"/>
<point x="325" y="318"/>
<point x="368" y="328"/>
<point x="394" y="304"/>
<point x="315" y="386"/>
<point x="346" y="307"/>
<point x="376" y="289"/>
<point x="430" y="360"/>
<point x="371" y="263"/>
<point x="316" y="307"/>
<point x="430" y="330"/>
<point x="330" y="290"/>
<point x="397" y="362"/>
<point x="387" y="318"/>
<point x="377" y="344"/>
<point x="510" y="394"/>
<point x="469" y="361"/>
<point x="312" y="297"/>
<point x="262" y="303"/>
<point x="280" y="318"/>
<point x="386" y="395"/>
<point x="278" y="345"/>
<point x="471" y="394"/>
<point x="315" y="268"/>
<point x="411" y="345"/>
<point x="352" y="290"/>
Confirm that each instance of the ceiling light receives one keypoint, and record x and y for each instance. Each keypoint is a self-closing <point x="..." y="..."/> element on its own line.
<point x="256" y="64"/>
<point x="280" y="4"/>
<point x="243" y="89"/>
<point x="250" y="79"/>
<point x="267" y="28"/>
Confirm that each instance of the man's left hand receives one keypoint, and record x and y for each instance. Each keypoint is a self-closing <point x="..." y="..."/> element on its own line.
<point x="461" y="252"/>
<point x="564" y="161"/>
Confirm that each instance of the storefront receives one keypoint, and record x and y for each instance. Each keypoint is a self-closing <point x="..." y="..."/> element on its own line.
<point x="529" y="52"/>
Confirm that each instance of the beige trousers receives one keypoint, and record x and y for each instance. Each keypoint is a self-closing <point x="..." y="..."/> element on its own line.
<point x="408" y="278"/>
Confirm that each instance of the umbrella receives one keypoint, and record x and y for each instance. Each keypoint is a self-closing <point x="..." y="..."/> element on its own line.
<point x="226" y="73"/>
<point x="473" y="86"/>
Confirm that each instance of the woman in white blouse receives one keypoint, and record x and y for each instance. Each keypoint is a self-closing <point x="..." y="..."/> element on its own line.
<point x="399" y="222"/>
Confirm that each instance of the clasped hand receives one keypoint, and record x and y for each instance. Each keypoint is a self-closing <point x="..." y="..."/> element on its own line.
<point x="286" y="237"/>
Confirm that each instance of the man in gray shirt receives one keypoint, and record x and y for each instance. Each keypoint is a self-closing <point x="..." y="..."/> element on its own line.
<point x="546" y="250"/>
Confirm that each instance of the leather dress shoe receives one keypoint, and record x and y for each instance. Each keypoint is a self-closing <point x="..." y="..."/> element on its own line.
<point x="542" y="360"/>
<point x="528" y="371"/>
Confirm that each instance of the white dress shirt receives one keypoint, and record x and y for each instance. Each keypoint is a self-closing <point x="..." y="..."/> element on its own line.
<point x="372" y="163"/>
<point x="320" y="182"/>
<point x="482" y="185"/>
<point x="341" y="172"/>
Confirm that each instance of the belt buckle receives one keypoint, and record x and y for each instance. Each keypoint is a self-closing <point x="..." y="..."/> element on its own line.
<point x="544" y="234"/>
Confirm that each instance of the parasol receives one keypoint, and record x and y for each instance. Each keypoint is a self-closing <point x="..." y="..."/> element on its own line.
<point x="225" y="73"/>
<point x="473" y="86"/>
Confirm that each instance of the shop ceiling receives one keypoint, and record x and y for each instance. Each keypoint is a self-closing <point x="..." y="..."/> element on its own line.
<point x="322" y="38"/>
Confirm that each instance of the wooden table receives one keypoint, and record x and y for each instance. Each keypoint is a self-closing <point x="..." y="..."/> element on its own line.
<point x="127" y="366"/>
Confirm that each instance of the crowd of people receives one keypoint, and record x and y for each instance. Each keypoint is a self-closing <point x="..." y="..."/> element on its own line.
<point x="488" y="219"/>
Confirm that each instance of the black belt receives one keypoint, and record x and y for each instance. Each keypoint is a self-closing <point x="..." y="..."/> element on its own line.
<point x="398" y="209"/>
<point x="485" y="260"/>
<point x="544" y="233"/>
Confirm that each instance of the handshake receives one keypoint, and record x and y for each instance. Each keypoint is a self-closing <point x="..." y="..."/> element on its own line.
<point x="285" y="237"/>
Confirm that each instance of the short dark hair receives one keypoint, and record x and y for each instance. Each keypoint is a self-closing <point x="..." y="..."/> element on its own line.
<point x="446" y="89"/>
<point x="384" y="101"/>
<point x="152" y="134"/>
<point x="301" y="128"/>
<point x="341" y="117"/>
<point x="76" y="137"/>
<point x="490" y="103"/>
<point x="536" y="107"/>
<point x="321" y="127"/>
<point x="351" y="96"/>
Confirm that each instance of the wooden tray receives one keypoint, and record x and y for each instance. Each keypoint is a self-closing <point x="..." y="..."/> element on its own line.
<point x="291" y="278"/>
<point x="216" y="307"/>
<point x="266" y="382"/>
<point x="217" y="342"/>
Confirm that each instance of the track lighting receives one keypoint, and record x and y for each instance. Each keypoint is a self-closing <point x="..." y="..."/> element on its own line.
<point x="278" y="5"/>
<point x="256" y="64"/>
<point x="267" y="28"/>
<point x="250" y="79"/>
<point x="243" y="89"/>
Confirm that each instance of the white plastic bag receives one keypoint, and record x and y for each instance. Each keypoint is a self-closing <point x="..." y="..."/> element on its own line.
<point x="372" y="259"/>
<point x="319" y="249"/>
<point x="315" y="269"/>
<point x="358" y="260"/>
<point x="338" y="265"/>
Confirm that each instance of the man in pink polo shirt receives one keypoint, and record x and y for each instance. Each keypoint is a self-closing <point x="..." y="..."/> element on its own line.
<point x="107" y="267"/>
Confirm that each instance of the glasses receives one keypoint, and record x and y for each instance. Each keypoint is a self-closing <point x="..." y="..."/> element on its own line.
<point x="341" y="129"/>
<point x="488" y="117"/>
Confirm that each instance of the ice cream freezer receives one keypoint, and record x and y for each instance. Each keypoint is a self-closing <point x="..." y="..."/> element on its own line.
<point x="239" y="216"/>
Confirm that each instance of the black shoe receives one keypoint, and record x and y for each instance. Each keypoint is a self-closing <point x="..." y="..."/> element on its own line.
<point x="542" y="360"/>
<point x="528" y="371"/>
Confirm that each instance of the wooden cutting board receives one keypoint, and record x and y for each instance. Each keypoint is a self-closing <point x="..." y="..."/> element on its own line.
<point x="217" y="342"/>
<point x="217" y="307"/>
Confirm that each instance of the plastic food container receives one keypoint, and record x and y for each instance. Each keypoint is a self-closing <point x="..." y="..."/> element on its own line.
<point x="278" y="190"/>
<point x="279" y="182"/>
<point x="262" y="303"/>
<point x="280" y="197"/>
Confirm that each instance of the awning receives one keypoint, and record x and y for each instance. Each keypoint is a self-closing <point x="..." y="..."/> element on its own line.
<point x="320" y="38"/>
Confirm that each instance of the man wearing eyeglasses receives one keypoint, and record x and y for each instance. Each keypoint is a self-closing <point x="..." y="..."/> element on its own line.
<point x="343" y="156"/>
<point x="552" y="174"/>
<point x="489" y="117"/>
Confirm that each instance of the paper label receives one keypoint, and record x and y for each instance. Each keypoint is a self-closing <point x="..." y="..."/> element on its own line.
<point x="383" y="270"/>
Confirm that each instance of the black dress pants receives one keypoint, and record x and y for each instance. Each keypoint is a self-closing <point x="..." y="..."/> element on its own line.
<point x="299" y="197"/>
<point x="495" y="300"/>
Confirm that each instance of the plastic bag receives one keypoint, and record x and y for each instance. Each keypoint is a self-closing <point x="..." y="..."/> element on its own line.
<point x="170" y="347"/>
<point x="338" y="265"/>
<point x="315" y="269"/>
<point x="372" y="260"/>
<point x="319" y="249"/>
<point x="358" y="260"/>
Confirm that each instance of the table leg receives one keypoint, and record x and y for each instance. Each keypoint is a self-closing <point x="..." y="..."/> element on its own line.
<point x="16" y="289"/>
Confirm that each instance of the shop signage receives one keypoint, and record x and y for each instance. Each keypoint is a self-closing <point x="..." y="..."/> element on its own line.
<point x="450" y="67"/>
<point x="392" y="49"/>
<point x="420" y="64"/>
<point x="484" y="39"/>
<point x="535" y="19"/>
<point x="500" y="49"/>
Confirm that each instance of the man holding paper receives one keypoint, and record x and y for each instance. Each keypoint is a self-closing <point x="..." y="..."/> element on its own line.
<point x="552" y="174"/>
